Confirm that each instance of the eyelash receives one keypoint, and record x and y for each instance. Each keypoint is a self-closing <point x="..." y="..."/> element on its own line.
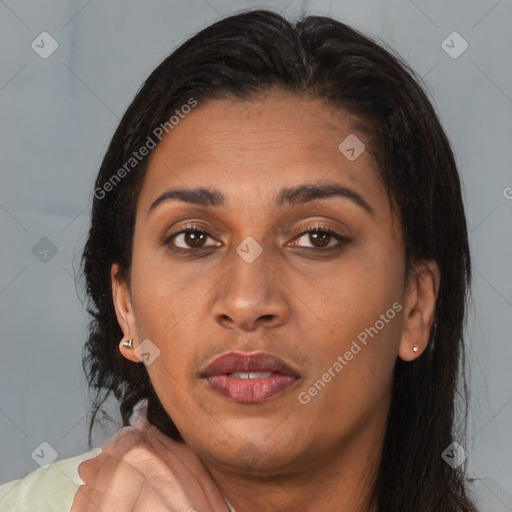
<point x="317" y="228"/>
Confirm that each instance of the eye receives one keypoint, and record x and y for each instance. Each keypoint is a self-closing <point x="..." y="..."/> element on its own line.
<point x="192" y="237"/>
<point x="320" y="236"/>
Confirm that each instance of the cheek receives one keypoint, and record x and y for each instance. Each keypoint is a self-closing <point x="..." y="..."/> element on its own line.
<point x="361" y="321"/>
<point x="165" y="311"/>
<point x="354" y="297"/>
<point x="163" y="296"/>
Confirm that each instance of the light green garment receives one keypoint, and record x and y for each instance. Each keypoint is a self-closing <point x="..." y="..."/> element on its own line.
<point x="48" y="490"/>
<point x="45" y="490"/>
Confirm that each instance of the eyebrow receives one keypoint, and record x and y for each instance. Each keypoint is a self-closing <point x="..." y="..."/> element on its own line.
<point x="292" y="196"/>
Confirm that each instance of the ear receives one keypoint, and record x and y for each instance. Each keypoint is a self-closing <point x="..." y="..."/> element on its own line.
<point x="124" y="311"/>
<point x="421" y="293"/>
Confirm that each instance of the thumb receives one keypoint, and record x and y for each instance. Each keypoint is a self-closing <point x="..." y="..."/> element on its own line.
<point x="139" y="419"/>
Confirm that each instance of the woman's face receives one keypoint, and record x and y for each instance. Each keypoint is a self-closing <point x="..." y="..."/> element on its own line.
<point x="331" y="307"/>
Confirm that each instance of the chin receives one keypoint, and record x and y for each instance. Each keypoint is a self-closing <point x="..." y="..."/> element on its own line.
<point x="253" y="455"/>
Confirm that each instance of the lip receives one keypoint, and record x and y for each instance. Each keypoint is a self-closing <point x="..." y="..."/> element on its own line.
<point x="253" y="390"/>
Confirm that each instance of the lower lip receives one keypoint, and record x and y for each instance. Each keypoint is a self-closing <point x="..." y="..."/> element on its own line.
<point x="250" y="391"/>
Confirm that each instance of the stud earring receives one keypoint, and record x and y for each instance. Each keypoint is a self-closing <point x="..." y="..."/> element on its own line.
<point x="415" y="348"/>
<point x="128" y="344"/>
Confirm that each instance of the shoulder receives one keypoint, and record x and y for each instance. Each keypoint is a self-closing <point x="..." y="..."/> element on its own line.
<point x="50" y="489"/>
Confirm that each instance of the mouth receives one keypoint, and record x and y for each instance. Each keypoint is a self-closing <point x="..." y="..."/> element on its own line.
<point x="249" y="378"/>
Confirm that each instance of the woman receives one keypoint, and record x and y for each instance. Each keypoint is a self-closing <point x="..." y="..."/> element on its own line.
<point x="278" y="268"/>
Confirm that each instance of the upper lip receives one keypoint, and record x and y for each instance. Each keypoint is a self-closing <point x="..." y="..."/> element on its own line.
<point x="232" y="362"/>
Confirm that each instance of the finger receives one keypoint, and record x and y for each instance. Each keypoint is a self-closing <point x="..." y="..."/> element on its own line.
<point x="139" y="472"/>
<point x="132" y="447"/>
<point x="181" y="450"/>
<point x="89" y="470"/>
<point x="87" y="467"/>
<point x="125" y="435"/>
<point x="163" y="462"/>
<point x="105" y="473"/>
<point x="87" y="500"/>
<point x="185" y="462"/>
<point x="136" y="451"/>
<point x="139" y="420"/>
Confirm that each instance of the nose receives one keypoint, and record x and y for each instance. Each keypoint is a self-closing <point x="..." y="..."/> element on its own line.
<point x="251" y="295"/>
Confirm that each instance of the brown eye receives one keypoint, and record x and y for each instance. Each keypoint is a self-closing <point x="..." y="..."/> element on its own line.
<point x="194" y="238"/>
<point x="189" y="238"/>
<point x="320" y="237"/>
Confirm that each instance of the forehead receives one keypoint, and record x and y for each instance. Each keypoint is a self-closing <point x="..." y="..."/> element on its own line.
<point x="258" y="147"/>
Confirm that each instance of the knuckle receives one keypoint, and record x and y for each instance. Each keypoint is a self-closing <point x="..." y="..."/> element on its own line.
<point x="84" y="469"/>
<point x="124" y="442"/>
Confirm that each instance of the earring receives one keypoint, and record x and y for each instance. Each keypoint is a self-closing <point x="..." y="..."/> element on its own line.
<point x="415" y="348"/>
<point x="128" y="344"/>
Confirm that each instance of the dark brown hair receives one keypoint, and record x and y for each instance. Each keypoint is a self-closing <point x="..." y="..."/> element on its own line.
<point x="249" y="54"/>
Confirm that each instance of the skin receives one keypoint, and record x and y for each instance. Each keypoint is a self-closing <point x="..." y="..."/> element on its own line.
<point x="142" y="470"/>
<point x="296" y="300"/>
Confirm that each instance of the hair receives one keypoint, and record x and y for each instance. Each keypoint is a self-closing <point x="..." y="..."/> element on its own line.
<point x="245" y="56"/>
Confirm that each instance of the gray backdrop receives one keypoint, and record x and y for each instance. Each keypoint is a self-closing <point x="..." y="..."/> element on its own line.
<point x="59" y="110"/>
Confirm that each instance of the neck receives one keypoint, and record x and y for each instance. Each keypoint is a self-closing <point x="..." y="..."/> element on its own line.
<point x="341" y="480"/>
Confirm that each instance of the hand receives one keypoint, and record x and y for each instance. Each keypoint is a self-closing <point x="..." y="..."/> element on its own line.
<point x="143" y="470"/>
